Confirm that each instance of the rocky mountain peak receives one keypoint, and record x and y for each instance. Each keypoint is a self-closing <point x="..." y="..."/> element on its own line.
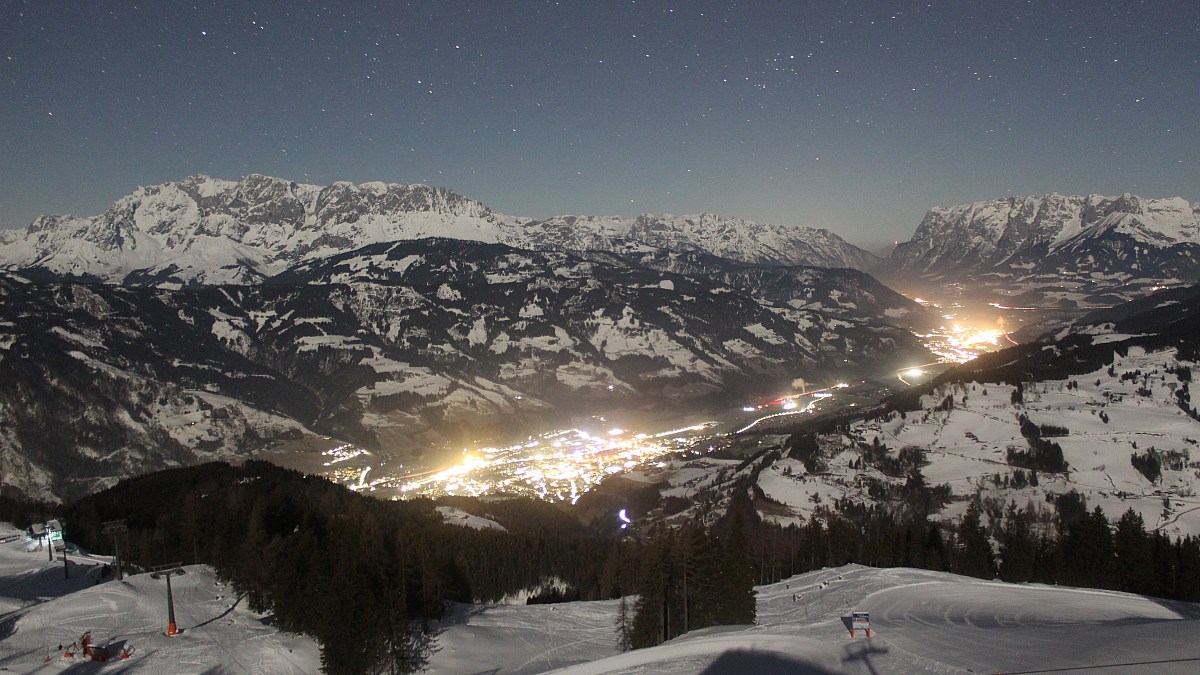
<point x="1107" y="242"/>
<point x="205" y="230"/>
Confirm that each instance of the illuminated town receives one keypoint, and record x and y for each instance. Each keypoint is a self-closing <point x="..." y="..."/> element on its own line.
<point x="558" y="466"/>
<point x="957" y="341"/>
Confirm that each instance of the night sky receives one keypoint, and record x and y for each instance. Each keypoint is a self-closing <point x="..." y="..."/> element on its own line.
<point x="854" y="116"/>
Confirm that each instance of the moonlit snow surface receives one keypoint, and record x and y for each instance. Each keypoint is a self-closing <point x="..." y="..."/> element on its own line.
<point x="923" y="622"/>
<point x="39" y="610"/>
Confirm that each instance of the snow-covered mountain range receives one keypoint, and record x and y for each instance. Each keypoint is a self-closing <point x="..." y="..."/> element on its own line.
<point x="204" y="230"/>
<point x="406" y="345"/>
<point x="208" y="318"/>
<point x="1064" y="247"/>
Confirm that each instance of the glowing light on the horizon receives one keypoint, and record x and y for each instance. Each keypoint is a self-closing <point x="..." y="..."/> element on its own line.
<point x="959" y="343"/>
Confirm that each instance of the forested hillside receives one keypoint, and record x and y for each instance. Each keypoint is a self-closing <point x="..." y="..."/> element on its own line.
<point x="362" y="576"/>
<point x="368" y="578"/>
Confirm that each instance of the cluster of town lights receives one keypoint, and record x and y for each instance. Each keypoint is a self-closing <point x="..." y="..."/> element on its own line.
<point x="558" y="466"/>
<point x="959" y="344"/>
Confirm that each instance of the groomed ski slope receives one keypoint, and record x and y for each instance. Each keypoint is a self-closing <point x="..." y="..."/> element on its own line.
<point x="923" y="622"/>
<point x="39" y="610"/>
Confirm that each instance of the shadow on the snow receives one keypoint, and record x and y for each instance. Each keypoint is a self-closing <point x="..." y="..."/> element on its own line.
<point x="1105" y="666"/>
<point x="863" y="651"/>
<point x="1186" y="610"/>
<point x="459" y="614"/>
<point x="739" y="662"/>
<point x="226" y="613"/>
<point x="48" y="582"/>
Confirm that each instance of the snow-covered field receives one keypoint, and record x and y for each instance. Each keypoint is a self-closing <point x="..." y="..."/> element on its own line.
<point x="463" y="519"/>
<point x="922" y="622"/>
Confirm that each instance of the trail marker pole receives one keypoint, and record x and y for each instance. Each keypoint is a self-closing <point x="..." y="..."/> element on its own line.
<point x="115" y="527"/>
<point x="168" y="571"/>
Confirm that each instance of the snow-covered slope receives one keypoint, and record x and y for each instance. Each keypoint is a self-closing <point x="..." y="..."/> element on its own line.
<point x="461" y="518"/>
<point x="1112" y="395"/>
<point x="1089" y="245"/>
<point x="921" y="622"/>
<point x="204" y="230"/>
<point x="732" y="238"/>
<point x="965" y="447"/>
<point x="39" y="611"/>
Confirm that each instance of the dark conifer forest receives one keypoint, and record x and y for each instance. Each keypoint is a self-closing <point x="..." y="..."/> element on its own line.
<point x="364" y="577"/>
<point x="367" y="578"/>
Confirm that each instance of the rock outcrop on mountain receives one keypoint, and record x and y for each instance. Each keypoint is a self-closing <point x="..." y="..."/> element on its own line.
<point x="1063" y="248"/>
<point x="731" y="238"/>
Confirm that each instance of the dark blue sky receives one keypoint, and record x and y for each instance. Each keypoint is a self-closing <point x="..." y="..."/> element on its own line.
<point x="855" y="116"/>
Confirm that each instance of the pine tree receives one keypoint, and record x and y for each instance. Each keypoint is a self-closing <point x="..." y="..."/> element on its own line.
<point x="652" y="616"/>
<point x="1134" y="554"/>
<point x="700" y="570"/>
<point x="935" y="549"/>
<point x="735" y="583"/>
<point x="975" y="557"/>
<point x="1188" y="584"/>
<point x="1018" y="547"/>
<point x="1166" y="566"/>
<point x="624" y="626"/>
<point x="1088" y="551"/>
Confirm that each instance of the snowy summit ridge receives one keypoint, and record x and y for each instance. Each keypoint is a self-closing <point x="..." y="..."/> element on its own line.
<point x="1123" y="238"/>
<point x="204" y="230"/>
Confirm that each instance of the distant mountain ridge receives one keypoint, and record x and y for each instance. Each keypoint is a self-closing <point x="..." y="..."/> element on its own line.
<point x="204" y="230"/>
<point x="1065" y="247"/>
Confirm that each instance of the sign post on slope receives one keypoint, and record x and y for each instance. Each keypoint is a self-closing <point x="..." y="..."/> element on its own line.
<point x="860" y="622"/>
